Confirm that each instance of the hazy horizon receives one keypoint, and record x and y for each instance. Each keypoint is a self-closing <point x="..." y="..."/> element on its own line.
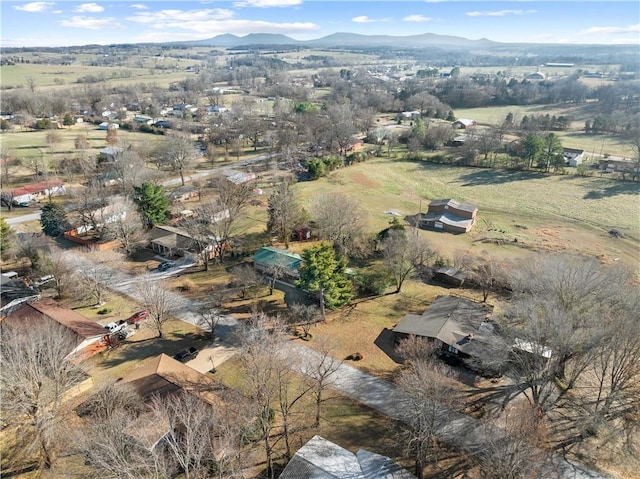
<point x="76" y="23"/>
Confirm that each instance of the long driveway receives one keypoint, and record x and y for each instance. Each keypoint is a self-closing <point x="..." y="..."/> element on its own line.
<point x="462" y="431"/>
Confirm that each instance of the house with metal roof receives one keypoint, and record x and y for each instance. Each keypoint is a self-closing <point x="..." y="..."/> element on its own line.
<point x="322" y="459"/>
<point x="268" y="258"/>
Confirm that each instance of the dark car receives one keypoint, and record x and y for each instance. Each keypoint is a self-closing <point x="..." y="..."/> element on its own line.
<point x="186" y="355"/>
<point x="139" y="316"/>
<point x="166" y="265"/>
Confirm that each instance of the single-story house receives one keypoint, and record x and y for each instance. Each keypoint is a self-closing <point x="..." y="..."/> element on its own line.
<point x="170" y="241"/>
<point x="463" y="123"/>
<point x="164" y="375"/>
<point x="450" y="275"/>
<point x="105" y="125"/>
<point x="238" y="177"/>
<point x="38" y="191"/>
<point x="111" y="152"/>
<point x="536" y="76"/>
<point x="448" y="215"/>
<point x="91" y="338"/>
<point x="410" y="115"/>
<point x="457" y="326"/>
<point x="143" y="120"/>
<point x="322" y="459"/>
<point x="618" y="165"/>
<point x="267" y="258"/>
<point x="573" y="156"/>
<point x="182" y="193"/>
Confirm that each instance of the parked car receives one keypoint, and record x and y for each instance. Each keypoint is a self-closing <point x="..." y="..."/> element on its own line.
<point x="137" y="317"/>
<point x="115" y="327"/>
<point x="166" y="265"/>
<point x="187" y="354"/>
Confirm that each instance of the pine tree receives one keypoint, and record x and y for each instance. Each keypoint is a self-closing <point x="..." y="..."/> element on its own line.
<point x="323" y="272"/>
<point x="152" y="203"/>
<point x="53" y="219"/>
<point x="5" y="237"/>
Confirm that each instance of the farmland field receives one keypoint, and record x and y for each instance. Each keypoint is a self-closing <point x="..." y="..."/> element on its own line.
<point x="519" y="211"/>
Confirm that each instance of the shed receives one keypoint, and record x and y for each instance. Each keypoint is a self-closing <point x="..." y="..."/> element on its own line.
<point x="463" y="123"/>
<point x="573" y="156"/>
<point x="449" y="275"/>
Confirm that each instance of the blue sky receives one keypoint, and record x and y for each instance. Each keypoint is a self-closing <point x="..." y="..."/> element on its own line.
<point x="55" y="23"/>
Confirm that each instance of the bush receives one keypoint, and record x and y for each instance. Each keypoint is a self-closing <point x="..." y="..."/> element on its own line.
<point x="373" y="281"/>
<point x="186" y="285"/>
<point x="104" y="311"/>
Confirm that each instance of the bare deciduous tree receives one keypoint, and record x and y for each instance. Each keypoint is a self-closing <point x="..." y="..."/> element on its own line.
<point x="34" y="378"/>
<point x="124" y="225"/>
<point x="426" y="408"/>
<point x="178" y="152"/>
<point x="341" y="220"/>
<point x="96" y="276"/>
<point x="404" y="253"/>
<point x="210" y="314"/>
<point x="513" y="446"/>
<point x="158" y="301"/>
<point x="284" y="212"/>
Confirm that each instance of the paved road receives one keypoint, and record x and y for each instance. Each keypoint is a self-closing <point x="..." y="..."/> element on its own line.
<point x="462" y="431"/>
<point x="23" y="219"/>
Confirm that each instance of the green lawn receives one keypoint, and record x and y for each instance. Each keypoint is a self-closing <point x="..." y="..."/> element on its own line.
<point x="540" y="212"/>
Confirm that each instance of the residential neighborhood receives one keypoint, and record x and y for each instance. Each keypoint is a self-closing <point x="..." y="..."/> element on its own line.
<point x="356" y="256"/>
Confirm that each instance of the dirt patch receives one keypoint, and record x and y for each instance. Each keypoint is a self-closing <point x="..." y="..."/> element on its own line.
<point x="362" y="180"/>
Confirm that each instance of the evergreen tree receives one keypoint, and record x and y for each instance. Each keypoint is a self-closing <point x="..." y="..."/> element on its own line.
<point x="532" y="149"/>
<point x="5" y="237"/>
<point x="552" y="155"/>
<point x="323" y="272"/>
<point x="152" y="203"/>
<point x="53" y="219"/>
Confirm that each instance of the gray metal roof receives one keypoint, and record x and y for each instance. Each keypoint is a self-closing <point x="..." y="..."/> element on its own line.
<point x="322" y="459"/>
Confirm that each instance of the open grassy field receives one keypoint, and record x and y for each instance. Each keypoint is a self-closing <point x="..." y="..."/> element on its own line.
<point x="573" y="138"/>
<point x="543" y="213"/>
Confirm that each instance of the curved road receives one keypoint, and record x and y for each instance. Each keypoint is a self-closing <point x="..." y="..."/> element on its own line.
<point x="462" y="431"/>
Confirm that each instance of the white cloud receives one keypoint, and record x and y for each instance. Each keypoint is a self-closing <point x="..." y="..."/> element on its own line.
<point x="365" y="19"/>
<point x="167" y="17"/>
<point x="417" y="18"/>
<point x="92" y="23"/>
<point x="267" y="3"/>
<point x="500" y="13"/>
<point x="610" y="30"/>
<point x="139" y="6"/>
<point x="57" y="12"/>
<point x="34" y="6"/>
<point x="89" y="8"/>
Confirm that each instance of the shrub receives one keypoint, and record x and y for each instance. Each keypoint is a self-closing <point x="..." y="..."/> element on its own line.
<point x="373" y="281"/>
<point x="104" y="311"/>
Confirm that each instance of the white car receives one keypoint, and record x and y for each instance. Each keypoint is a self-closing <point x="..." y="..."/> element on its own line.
<point x="115" y="327"/>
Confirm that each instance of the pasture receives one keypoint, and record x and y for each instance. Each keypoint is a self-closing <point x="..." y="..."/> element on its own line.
<point x="519" y="212"/>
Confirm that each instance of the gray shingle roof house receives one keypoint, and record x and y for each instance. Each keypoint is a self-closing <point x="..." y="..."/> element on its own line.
<point x="322" y="459"/>
<point x="456" y="325"/>
<point x="449" y="215"/>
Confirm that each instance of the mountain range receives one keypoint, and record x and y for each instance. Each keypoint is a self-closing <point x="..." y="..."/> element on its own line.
<point x="344" y="39"/>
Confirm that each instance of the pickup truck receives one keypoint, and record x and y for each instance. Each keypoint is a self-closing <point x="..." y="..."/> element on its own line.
<point x="186" y="354"/>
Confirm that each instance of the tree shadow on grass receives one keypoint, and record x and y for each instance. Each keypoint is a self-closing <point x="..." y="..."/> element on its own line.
<point x="618" y="188"/>
<point x="497" y="177"/>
